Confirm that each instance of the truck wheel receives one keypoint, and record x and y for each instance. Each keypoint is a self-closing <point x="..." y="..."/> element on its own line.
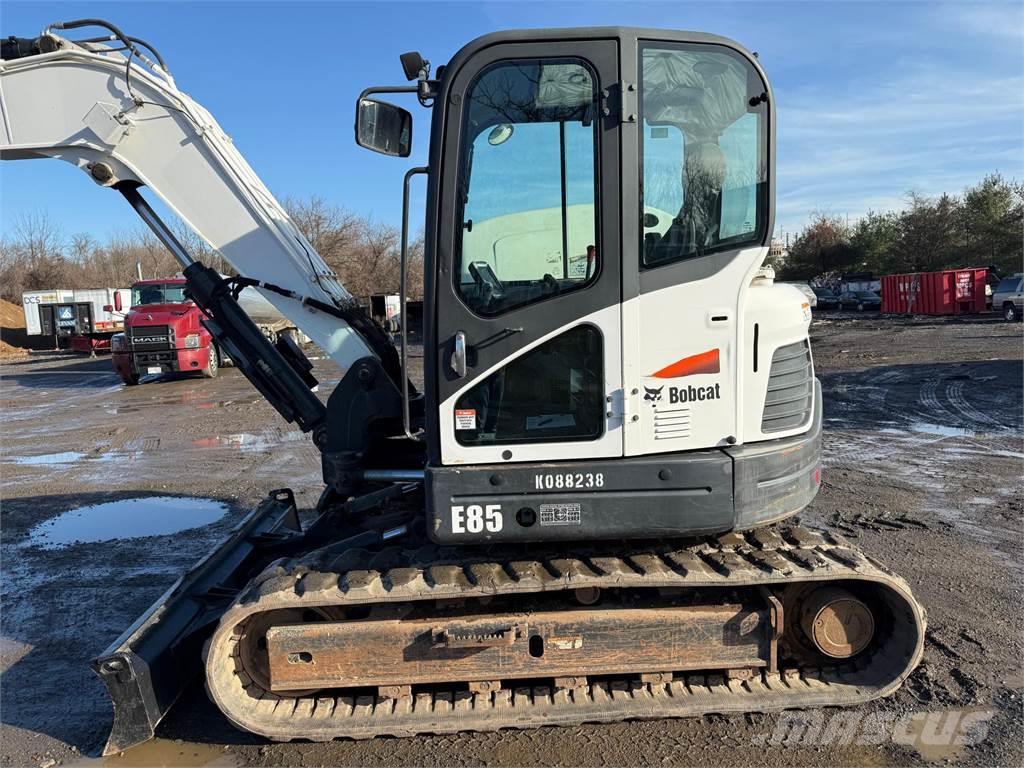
<point x="212" y="363"/>
<point x="860" y="306"/>
<point x="1009" y="312"/>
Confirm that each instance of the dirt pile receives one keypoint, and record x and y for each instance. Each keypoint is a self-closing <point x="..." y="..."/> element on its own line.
<point x="13" y="339"/>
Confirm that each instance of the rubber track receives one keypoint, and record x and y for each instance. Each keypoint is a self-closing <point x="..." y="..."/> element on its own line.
<point x="772" y="557"/>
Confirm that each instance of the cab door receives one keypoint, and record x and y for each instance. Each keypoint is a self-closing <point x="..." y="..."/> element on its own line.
<point x="703" y="150"/>
<point x="528" y="346"/>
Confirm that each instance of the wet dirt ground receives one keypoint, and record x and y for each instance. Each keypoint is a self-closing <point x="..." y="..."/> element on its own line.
<point x="923" y="467"/>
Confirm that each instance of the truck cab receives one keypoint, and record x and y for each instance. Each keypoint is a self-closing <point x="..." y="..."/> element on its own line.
<point x="163" y="334"/>
<point x="1008" y="297"/>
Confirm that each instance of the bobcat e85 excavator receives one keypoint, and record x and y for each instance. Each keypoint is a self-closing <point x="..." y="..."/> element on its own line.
<point x="575" y="520"/>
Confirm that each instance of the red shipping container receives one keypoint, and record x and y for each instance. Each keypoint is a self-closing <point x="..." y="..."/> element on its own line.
<point x="950" y="292"/>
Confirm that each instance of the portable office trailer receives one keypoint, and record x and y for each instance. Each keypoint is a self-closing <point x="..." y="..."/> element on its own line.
<point x="75" y="318"/>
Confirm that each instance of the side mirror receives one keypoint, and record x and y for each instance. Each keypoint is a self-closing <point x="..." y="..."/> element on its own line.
<point x="108" y="307"/>
<point x="384" y="128"/>
<point x="117" y="301"/>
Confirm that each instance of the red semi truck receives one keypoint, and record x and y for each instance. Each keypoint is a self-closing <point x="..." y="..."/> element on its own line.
<point x="162" y="334"/>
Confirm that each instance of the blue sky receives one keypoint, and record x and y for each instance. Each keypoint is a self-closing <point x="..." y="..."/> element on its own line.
<point x="873" y="99"/>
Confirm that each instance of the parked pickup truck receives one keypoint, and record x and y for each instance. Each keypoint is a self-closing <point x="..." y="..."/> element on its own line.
<point x="1008" y="297"/>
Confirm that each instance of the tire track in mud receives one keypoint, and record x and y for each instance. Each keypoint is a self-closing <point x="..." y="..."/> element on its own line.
<point x="929" y="398"/>
<point x="922" y="432"/>
<point x="940" y="404"/>
<point x="955" y="395"/>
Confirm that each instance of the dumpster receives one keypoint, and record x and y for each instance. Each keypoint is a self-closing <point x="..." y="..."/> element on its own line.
<point x="950" y="292"/>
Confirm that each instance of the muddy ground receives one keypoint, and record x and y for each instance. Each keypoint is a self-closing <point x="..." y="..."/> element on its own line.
<point x="924" y="460"/>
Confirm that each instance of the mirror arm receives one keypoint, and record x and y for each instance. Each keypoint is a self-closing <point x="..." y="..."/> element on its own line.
<point x="424" y="90"/>
<point x="427" y="91"/>
<point x="387" y="89"/>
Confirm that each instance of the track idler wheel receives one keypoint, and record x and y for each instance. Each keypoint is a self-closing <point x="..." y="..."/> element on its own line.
<point x="838" y="624"/>
<point x="252" y="645"/>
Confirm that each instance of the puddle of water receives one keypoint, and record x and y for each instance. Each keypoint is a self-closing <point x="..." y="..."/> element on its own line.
<point x="942" y="736"/>
<point x="163" y="753"/>
<point x="247" y="442"/>
<point x="125" y="519"/>
<point x="67" y="457"/>
<point x="942" y="429"/>
<point x="985" y="452"/>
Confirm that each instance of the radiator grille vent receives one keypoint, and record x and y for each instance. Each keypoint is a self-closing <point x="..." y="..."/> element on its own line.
<point x="150" y="337"/>
<point x="790" y="389"/>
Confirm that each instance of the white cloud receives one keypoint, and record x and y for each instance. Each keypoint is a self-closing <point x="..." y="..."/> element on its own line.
<point x="1003" y="21"/>
<point x="927" y="126"/>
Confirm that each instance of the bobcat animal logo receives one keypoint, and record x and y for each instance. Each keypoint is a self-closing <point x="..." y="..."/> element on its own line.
<point x="653" y="395"/>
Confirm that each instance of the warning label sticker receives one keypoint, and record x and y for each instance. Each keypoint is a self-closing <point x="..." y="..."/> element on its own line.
<point x="465" y="418"/>
<point x="560" y="514"/>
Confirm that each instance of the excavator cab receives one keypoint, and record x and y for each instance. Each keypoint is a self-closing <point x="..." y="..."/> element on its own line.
<point x="599" y="206"/>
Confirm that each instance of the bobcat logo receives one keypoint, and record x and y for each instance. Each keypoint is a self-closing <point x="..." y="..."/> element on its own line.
<point x="653" y="395"/>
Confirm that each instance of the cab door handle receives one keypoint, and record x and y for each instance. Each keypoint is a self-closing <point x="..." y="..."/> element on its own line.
<point x="458" y="361"/>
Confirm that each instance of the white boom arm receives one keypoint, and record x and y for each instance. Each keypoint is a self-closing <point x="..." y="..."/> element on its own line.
<point x="76" y="104"/>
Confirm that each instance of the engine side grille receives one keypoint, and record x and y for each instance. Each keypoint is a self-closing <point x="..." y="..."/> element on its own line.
<point x="790" y="388"/>
<point x="672" y="424"/>
<point x="151" y="337"/>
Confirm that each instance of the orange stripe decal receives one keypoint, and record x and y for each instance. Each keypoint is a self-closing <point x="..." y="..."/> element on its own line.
<point x="705" y="362"/>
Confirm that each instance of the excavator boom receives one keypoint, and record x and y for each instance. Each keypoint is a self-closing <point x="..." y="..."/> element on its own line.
<point x="129" y="126"/>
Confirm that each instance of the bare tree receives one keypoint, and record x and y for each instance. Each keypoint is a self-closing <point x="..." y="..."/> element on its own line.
<point x="10" y="268"/>
<point x="38" y="237"/>
<point x="330" y="229"/>
<point x="33" y="258"/>
<point x="363" y="253"/>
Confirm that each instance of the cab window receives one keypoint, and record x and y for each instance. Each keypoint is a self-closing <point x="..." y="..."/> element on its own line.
<point x="553" y="392"/>
<point x="703" y="152"/>
<point x="527" y="186"/>
<point x="158" y="294"/>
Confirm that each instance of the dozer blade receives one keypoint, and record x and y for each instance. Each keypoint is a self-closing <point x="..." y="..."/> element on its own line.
<point x="149" y="665"/>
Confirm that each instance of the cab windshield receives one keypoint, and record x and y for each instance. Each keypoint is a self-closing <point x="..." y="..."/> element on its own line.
<point x="704" y="151"/>
<point x="158" y="294"/>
